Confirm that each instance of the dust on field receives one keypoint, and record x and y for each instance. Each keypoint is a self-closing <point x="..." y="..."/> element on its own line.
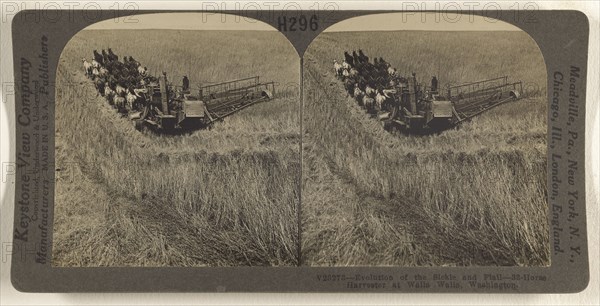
<point x="470" y="196"/>
<point x="226" y="196"/>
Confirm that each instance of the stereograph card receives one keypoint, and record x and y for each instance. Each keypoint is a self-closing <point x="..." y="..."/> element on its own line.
<point x="318" y="150"/>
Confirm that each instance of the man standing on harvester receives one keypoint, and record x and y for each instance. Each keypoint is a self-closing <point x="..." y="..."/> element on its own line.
<point x="434" y="85"/>
<point x="186" y="84"/>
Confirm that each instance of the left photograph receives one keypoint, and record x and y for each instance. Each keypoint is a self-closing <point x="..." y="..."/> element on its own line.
<point x="177" y="144"/>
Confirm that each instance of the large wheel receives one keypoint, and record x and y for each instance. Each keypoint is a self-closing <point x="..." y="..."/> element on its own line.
<point x="388" y="124"/>
<point x="140" y="123"/>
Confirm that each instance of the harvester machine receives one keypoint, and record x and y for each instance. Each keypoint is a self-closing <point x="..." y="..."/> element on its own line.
<point x="424" y="109"/>
<point x="170" y="108"/>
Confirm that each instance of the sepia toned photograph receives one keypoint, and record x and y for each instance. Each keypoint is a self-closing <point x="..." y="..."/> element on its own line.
<point x="298" y="148"/>
<point x="424" y="144"/>
<point x="177" y="144"/>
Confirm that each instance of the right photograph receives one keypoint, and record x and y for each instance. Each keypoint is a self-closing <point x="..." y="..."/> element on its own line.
<point x="424" y="144"/>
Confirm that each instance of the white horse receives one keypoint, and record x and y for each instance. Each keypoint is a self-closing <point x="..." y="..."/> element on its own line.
<point x="139" y="91"/>
<point x="337" y="67"/>
<point x="358" y="93"/>
<point x="369" y="91"/>
<point x="87" y="67"/>
<point x="95" y="72"/>
<point x="120" y="90"/>
<point x="380" y="99"/>
<point x="131" y="98"/>
<point x="103" y="71"/>
<point x="346" y="73"/>
<point x="95" y="63"/>
<point x="141" y="70"/>
<point x="108" y="92"/>
<point x="345" y="65"/>
<point x="388" y="93"/>
<point x="120" y="101"/>
<point x="391" y="71"/>
<point x="353" y="71"/>
<point x="368" y="102"/>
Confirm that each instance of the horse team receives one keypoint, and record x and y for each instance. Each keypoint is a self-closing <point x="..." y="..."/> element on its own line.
<point x="122" y="83"/>
<point x="373" y="84"/>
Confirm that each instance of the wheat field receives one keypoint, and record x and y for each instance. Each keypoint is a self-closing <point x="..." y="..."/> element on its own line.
<point x="474" y="195"/>
<point x="227" y="196"/>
